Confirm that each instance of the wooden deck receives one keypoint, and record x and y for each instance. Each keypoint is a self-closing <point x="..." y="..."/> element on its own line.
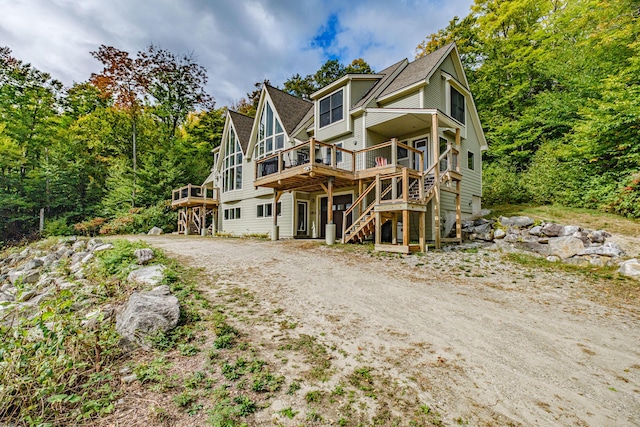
<point x="195" y="195"/>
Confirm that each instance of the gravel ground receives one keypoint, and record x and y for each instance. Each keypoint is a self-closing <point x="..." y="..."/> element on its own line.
<point x="487" y="341"/>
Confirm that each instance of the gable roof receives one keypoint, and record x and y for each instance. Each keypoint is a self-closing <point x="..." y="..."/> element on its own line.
<point x="290" y="108"/>
<point x="387" y="74"/>
<point x="418" y="70"/>
<point x="243" y="125"/>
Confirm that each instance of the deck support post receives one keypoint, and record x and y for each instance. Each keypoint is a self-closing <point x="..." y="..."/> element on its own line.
<point x="458" y="190"/>
<point x="394" y="229"/>
<point x="435" y="142"/>
<point x="421" y="226"/>
<point x="203" y="221"/>
<point x="275" y="230"/>
<point x="405" y="228"/>
<point x="330" y="229"/>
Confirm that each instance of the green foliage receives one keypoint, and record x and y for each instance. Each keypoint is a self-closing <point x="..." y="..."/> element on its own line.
<point x="332" y="70"/>
<point x="557" y="89"/>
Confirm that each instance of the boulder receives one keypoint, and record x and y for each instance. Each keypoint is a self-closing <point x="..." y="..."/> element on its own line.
<point x="143" y="255"/>
<point x="576" y="260"/>
<point x="599" y="236"/>
<point x="50" y="259"/>
<point x="147" y="313"/>
<point x="6" y="297"/>
<point x="516" y="221"/>
<point x="103" y="247"/>
<point x="499" y="233"/>
<point x="27" y="276"/>
<point x="32" y="264"/>
<point x="533" y="246"/>
<point x="511" y="238"/>
<point x="77" y="257"/>
<point x="535" y="231"/>
<point x="155" y="231"/>
<point x="79" y="246"/>
<point x="151" y="275"/>
<point x="570" y="230"/>
<point x="610" y="249"/>
<point x="86" y="259"/>
<point x="565" y="247"/>
<point x="582" y="235"/>
<point x="487" y="237"/>
<point x="553" y="258"/>
<point x="630" y="268"/>
<point x="482" y="228"/>
<point x="552" y="230"/>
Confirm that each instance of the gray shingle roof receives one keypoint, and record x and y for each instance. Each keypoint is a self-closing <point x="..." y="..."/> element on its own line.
<point x="417" y="70"/>
<point x="387" y="72"/>
<point x="243" y="125"/>
<point x="290" y="109"/>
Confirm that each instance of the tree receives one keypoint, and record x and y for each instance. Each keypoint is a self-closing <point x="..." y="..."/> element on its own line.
<point x="330" y="71"/>
<point x="124" y="80"/>
<point x="177" y="85"/>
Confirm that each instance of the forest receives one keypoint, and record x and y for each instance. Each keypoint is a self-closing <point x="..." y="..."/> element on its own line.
<point x="556" y="83"/>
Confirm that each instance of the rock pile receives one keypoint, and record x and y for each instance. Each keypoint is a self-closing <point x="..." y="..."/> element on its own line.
<point x="33" y="276"/>
<point x="566" y="243"/>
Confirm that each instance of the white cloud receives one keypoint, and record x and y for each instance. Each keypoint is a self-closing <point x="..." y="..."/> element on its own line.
<point x="239" y="42"/>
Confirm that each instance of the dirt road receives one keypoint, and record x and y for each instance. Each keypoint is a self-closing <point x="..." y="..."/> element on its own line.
<point x="486" y="342"/>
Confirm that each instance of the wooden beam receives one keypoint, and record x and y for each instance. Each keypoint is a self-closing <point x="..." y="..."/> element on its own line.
<point x="436" y="198"/>
<point x="405" y="228"/>
<point x="394" y="228"/>
<point x="458" y="214"/>
<point x="330" y="201"/>
<point x="276" y="198"/>
<point x="421" y="231"/>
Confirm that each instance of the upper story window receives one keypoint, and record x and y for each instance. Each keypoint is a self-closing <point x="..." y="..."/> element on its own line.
<point x="271" y="134"/>
<point x="457" y="105"/>
<point x="471" y="164"/>
<point x="232" y="167"/>
<point x="331" y="108"/>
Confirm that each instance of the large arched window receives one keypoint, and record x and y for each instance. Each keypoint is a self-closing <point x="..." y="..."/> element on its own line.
<point x="232" y="172"/>
<point x="271" y="134"/>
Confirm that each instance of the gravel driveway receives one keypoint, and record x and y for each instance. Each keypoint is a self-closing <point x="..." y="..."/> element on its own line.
<point x="488" y="341"/>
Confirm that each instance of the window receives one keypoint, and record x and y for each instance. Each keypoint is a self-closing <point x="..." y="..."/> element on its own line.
<point x="265" y="210"/>
<point x="331" y="109"/>
<point x="471" y="164"/>
<point x="457" y="105"/>
<point x="232" y="167"/>
<point x="232" y="213"/>
<point x="270" y="133"/>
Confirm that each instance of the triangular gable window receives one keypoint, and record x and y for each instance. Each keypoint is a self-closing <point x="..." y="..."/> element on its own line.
<point x="271" y="134"/>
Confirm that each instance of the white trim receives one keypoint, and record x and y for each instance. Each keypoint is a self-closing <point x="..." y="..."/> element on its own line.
<point x="317" y="109"/>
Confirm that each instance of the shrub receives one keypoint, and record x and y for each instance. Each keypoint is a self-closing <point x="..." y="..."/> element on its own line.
<point x="57" y="227"/>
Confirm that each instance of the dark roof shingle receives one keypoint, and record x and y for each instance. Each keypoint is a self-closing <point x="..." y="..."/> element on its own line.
<point x="417" y="70"/>
<point x="290" y="109"/>
<point x="243" y="125"/>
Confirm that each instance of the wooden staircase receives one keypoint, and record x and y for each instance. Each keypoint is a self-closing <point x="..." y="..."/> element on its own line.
<point x="365" y="224"/>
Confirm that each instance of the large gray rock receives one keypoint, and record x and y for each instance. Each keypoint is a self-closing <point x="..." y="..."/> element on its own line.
<point x="499" y="234"/>
<point x="103" y="247"/>
<point x="552" y="230"/>
<point x="570" y="230"/>
<point x="482" y="228"/>
<point x="79" y="246"/>
<point x="77" y="257"/>
<point x="630" y="268"/>
<point x="516" y="221"/>
<point x="27" y="276"/>
<point x="147" y="313"/>
<point x="599" y="236"/>
<point x="565" y="247"/>
<point x="155" y="231"/>
<point x="151" y="275"/>
<point x="535" y="231"/>
<point x="143" y="255"/>
<point x="32" y="264"/>
<point x="610" y="249"/>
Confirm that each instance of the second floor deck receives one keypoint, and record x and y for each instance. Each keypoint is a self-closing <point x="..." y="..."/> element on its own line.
<point x="195" y="195"/>
<point x="308" y="165"/>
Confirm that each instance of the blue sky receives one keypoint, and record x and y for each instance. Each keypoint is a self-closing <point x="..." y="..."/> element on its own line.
<point x="240" y="42"/>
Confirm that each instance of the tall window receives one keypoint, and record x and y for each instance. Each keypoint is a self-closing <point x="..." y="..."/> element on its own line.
<point x="457" y="105"/>
<point x="331" y="109"/>
<point x="471" y="164"/>
<point x="271" y="134"/>
<point x="232" y="172"/>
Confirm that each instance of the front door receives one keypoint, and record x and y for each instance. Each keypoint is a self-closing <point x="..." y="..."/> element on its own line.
<point x="340" y="204"/>
<point x="302" y="222"/>
<point x="421" y="145"/>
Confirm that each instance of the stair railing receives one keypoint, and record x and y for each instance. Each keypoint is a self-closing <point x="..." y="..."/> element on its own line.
<point x="354" y="224"/>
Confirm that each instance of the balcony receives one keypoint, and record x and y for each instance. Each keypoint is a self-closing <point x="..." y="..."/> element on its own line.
<point x="195" y="195"/>
<point x="307" y="166"/>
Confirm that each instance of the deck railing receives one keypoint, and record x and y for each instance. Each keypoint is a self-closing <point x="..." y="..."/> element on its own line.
<point x="390" y="153"/>
<point x="195" y="192"/>
<point x="307" y="153"/>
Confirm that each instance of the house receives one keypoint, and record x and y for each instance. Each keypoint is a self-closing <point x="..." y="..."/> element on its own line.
<point x="394" y="156"/>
